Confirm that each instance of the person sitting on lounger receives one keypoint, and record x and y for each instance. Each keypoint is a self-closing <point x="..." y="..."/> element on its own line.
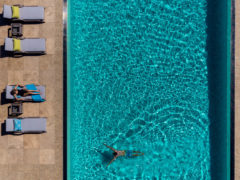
<point x="23" y="92"/>
<point x="126" y="153"/>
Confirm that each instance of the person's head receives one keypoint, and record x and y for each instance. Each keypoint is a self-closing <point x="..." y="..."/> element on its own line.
<point x="14" y="91"/>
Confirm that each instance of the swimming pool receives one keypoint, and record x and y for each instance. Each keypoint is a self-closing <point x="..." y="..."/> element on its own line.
<point x="140" y="77"/>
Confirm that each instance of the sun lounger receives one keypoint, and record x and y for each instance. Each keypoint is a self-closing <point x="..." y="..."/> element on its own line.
<point x="30" y="98"/>
<point x="26" y="46"/>
<point x="25" y="13"/>
<point x="27" y="125"/>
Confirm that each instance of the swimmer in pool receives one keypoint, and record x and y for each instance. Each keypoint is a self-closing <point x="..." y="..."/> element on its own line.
<point x="126" y="153"/>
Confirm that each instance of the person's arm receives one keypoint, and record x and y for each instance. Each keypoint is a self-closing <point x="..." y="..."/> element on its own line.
<point x="111" y="161"/>
<point x="16" y="87"/>
<point x="110" y="148"/>
<point x="18" y="99"/>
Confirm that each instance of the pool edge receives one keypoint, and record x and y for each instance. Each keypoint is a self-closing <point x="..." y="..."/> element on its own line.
<point x="66" y="90"/>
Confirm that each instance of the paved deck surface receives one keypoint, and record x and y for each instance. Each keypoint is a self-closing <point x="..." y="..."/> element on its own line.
<point x="36" y="156"/>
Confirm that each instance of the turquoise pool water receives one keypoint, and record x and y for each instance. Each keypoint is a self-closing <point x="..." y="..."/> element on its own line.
<point x="139" y="80"/>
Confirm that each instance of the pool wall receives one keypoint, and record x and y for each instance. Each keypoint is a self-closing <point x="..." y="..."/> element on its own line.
<point x="219" y="72"/>
<point x="219" y="78"/>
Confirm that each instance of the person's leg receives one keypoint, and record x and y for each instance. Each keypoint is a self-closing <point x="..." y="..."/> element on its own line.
<point x="30" y="90"/>
<point x="26" y="94"/>
<point x="134" y="155"/>
<point x="138" y="153"/>
<point x="30" y="93"/>
<point x="33" y="90"/>
<point x="34" y="93"/>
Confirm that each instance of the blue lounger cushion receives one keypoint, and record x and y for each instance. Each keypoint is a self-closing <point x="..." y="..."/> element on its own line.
<point x="35" y="97"/>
